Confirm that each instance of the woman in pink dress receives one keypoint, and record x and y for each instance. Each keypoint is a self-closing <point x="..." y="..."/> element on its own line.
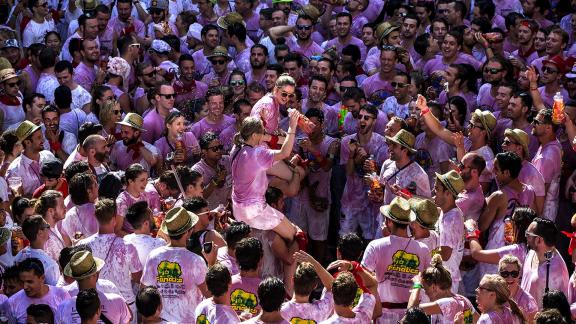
<point x="250" y="161"/>
<point x="444" y="305"/>
<point x="510" y="269"/>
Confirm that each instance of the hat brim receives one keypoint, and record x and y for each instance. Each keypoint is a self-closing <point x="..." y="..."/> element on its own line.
<point x="219" y="55"/>
<point x="509" y="132"/>
<point x="193" y="221"/>
<point x="571" y="75"/>
<point x="388" y="31"/>
<point x="130" y="125"/>
<point x="8" y="77"/>
<point x="445" y="183"/>
<point x="385" y="211"/>
<point x="32" y="131"/>
<point x="392" y="139"/>
<point x="99" y="265"/>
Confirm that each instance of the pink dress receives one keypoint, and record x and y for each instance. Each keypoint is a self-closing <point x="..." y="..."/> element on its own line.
<point x="267" y="110"/>
<point x="249" y="184"/>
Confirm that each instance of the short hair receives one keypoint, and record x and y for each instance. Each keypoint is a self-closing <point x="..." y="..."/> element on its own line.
<point x="255" y="87"/>
<point x="19" y="205"/>
<point x="188" y="176"/>
<point x="11" y="273"/>
<point x="148" y="300"/>
<point x="47" y="57"/>
<point x="137" y="214"/>
<point x="294" y="57"/>
<point x="66" y="255"/>
<point x="486" y="8"/>
<point x="421" y="43"/>
<point x="557" y="30"/>
<point x="29" y="99"/>
<point x="556" y="299"/>
<point x="41" y="313"/>
<point x="320" y="79"/>
<point x="249" y="252"/>
<point x="305" y="279"/>
<point x="63" y="97"/>
<point x="31" y="264"/>
<point x="218" y="279"/>
<point x="273" y="195"/>
<point x="195" y="204"/>
<point x="350" y="247"/>
<point x="550" y="316"/>
<point x="48" y="199"/>
<point x="206" y="139"/>
<point x="355" y="94"/>
<point x="124" y="42"/>
<point x="49" y="108"/>
<point x="237" y="105"/>
<point x="185" y="57"/>
<point x="102" y="8"/>
<point x="31" y="226"/>
<point x="169" y="179"/>
<point x="415" y="315"/>
<point x="510" y="19"/>
<point x="271" y="294"/>
<point x="235" y="233"/>
<point x="85" y="16"/>
<point x="79" y="186"/>
<point x="275" y="67"/>
<point x="208" y="28"/>
<point x="350" y="50"/>
<point x="173" y="41"/>
<point x="64" y="65"/>
<point x="87" y="303"/>
<point x="511" y="162"/>
<point x="75" y="168"/>
<point x="483" y="23"/>
<point x="344" y="289"/>
<point x="238" y="30"/>
<point x="134" y="171"/>
<point x="547" y="230"/>
<point x="213" y="92"/>
<point x="75" y="45"/>
<point x="478" y="162"/>
<point x="111" y="185"/>
<point x="315" y="112"/>
<point x="372" y="110"/>
<point x="105" y="210"/>
<point x="344" y="14"/>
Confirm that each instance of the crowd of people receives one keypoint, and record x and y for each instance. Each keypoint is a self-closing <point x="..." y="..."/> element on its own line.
<point x="287" y="161"/>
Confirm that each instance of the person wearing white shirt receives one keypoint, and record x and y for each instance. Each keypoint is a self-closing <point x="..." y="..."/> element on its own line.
<point x="39" y="25"/>
<point x="140" y="218"/>
<point x="81" y="98"/>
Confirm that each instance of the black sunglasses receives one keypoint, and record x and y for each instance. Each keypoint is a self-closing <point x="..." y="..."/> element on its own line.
<point x="218" y="62"/>
<point x="506" y="274"/>
<point x="548" y="70"/>
<point x="151" y="74"/>
<point x="303" y="27"/>
<point x="217" y="148"/>
<point x="492" y="70"/>
<point x="400" y="85"/>
<point x="285" y="94"/>
<point x="117" y="112"/>
<point x="168" y="95"/>
<point x="13" y="84"/>
<point x="508" y="142"/>
<point x="365" y="117"/>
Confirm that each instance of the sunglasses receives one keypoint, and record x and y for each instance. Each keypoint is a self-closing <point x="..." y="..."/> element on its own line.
<point x="530" y="234"/>
<point x="365" y="117"/>
<point x="45" y="226"/>
<point x="506" y="274"/>
<point x="508" y="142"/>
<point x="168" y="95"/>
<point x="285" y="94"/>
<point x="443" y="11"/>
<point x="13" y="84"/>
<point x="117" y="112"/>
<point x="484" y="288"/>
<point x="389" y="48"/>
<point x="237" y="83"/>
<point x="303" y="27"/>
<point x="476" y="126"/>
<point x="218" y="62"/>
<point x="537" y="122"/>
<point x="137" y="45"/>
<point x="151" y="74"/>
<point x="549" y="70"/>
<point x="156" y="11"/>
<point x="217" y="148"/>
<point x="400" y="85"/>
<point x="492" y="70"/>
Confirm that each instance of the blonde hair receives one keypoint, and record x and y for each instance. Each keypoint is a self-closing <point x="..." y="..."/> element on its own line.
<point x="509" y="259"/>
<point x="107" y="111"/>
<point x="249" y="126"/>
<point x="285" y="79"/>
<point x="497" y="284"/>
<point x="437" y="274"/>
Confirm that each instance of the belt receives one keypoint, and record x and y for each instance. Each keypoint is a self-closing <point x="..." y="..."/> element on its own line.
<point x="394" y="305"/>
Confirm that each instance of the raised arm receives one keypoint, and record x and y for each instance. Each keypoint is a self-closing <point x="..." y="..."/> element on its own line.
<point x="279" y="31"/>
<point x="323" y="274"/>
<point x="536" y="97"/>
<point x="288" y="144"/>
<point x="432" y="122"/>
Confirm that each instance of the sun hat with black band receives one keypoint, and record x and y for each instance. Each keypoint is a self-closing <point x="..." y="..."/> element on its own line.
<point x="451" y="181"/>
<point x="520" y="137"/>
<point x="486" y="118"/>
<point x="133" y="120"/>
<point x="219" y="51"/>
<point x="230" y="19"/>
<point x="26" y="129"/>
<point x="178" y="220"/>
<point x="4" y="235"/>
<point x="425" y="212"/>
<point x="7" y="74"/>
<point x="82" y="265"/>
<point x="404" y="138"/>
<point x="398" y="211"/>
<point x="384" y="29"/>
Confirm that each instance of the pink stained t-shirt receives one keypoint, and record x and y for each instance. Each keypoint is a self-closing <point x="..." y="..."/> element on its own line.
<point x="471" y="203"/>
<point x="209" y="312"/>
<point x="154" y="126"/>
<point x="203" y="126"/>
<point x="268" y="111"/>
<point x="548" y="160"/>
<point x="190" y="141"/>
<point x="363" y="311"/>
<point x="451" y="230"/>
<point x="450" y="306"/>
<point x="80" y="219"/>
<point x="534" y="282"/>
<point x="432" y="151"/>
<point x="244" y="294"/>
<point x="219" y="195"/>
<point x="495" y="317"/>
<point x="113" y="307"/>
<point x="530" y="175"/>
<point x="249" y="179"/>
<point x="314" y="312"/>
<point x="525" y="302"/>
<point x="125" y="200"/>
<point x="17" y="304"/>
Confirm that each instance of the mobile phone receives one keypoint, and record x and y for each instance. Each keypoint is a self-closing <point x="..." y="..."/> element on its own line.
<point x="207" y="247"/>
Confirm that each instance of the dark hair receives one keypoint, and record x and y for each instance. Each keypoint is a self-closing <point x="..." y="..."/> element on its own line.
<point x="124" y="42"/>
<point x="372" y="110"/>
<point x="271" y="294"/>
<point x="18" y="206"/>
<point x="41" y="313"/>
<point x="111" y="185"/>
<point x="344" y="14"/>
<point x="550" y="316"/>
<point x="275" y="67"/>
<point x="195" y="204"/>
<point x="187" y="176"/>
<point x="237" y="105"/>
<point x="457" y="35"/>
<point x="48" y="199"/>
<point x="212" y="92"/>
<point x="11" y="272"/>
<point x="218" y="279"/>
<point x="305" y="279"/>
<point x="522" y="218"/>
<point x="235" y="233"/>
<point x="556" y="299"/>
<point x="87" y="303"/>
<point x="31" y="226"/>
<point x="75" y="45"/>
<point x="318" y="78"/>
<point x="208" y="28"/>
<point x="350" y="247"/>
<point x="66" y="255"/>
<point x="238" y="30"/>
<point x="63" y="97"/>
<point x="173" y="41"/>
<point x="344" y="289"/>
<point x="137" y="214"/>
<point x="350" y="50"/>
<point x="104" y="210"/>
<point x="526" y="99"/>
<point x="509" y="161"/>
<point x="273" y="195"/>
<point x="133" y="172"/>
<point x="415" y="315"/>
<point x="249" y="252"/>
<point x="64" y="65"/>
<point x="29" y="99"/>
<point x="484" y="24"/>
<point x="510" y="19"/>
<point x="50" y="108"/>
<point x="148" y="300"/>
<point x="169" y="179"/>
<point x="75" y="168"/>
<point x="421" y="43"/>
<point x="31" y="264"/>
<point x="206" y="139"/>
<point x="546" y="229"/>
<point x="47" y="57"/>
<point x="315" y="112"/>
<point x="353" y="93"/>
<point x="8" y="140"/>
<point x="79" y="185"/>
<point x="461" y="106"/>
<point x="486" y="8"/>
<point x="478" y="163"/>
<point x="97" y="93"/>
<point x="294" y="57"/>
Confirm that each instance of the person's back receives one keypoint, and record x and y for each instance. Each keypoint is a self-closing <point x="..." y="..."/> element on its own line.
<point x="217" y="308"/>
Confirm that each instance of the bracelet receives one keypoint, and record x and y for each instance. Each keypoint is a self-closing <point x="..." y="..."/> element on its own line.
<point x="424" y="111"/>
<point x="474" y="234"/>
<point x="417" y="285"/>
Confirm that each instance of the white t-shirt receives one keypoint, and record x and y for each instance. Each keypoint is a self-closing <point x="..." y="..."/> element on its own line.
<point x="80" y="97"/>
<point x="113" y="307"/>
<point x="177" y="273"/>
<point x="144" y="244"/>
<point x="121" y="261"/>
<point x="102" y="285"/>
<point x="451" y="230"/>
<point x="17" y="304"/>
<point x="35" y="32"/>
<point x="319" y="310"/>
<point x="209" y="312"/>
<point x="363" y="311"/>
<point x="51" y="268"/>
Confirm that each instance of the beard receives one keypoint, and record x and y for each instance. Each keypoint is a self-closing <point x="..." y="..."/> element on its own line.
<point x="257" y="65"/>
<point x="130" y="141"/>
<point x="100" y="156"/>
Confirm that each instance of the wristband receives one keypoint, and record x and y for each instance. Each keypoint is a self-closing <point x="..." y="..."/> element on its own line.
<point x="424" y="111"/>
<point x="472" y="234"/>
<point x="417" y="285"/>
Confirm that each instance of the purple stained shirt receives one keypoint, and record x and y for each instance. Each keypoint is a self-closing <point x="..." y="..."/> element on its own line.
<point x="125" y="200"/>
<point x="227" y="137"/>
<point x="80" y="219"/>
<point x="471" y="203"/>
<point x="357" y="23"/>
<point x="450" y="306"/>
<point x="308" y="51"/>
<point x="335" y="42"/>
<point x="470" y="98"/>
<point x="372" y="61"/>
<point x="203" y="126"/>
<point x="268" y="111"/>
<point x="530" y="175"/>
<point x="154" y="126"/>
<point x="123" y="159"/>
<point x="548" y="99"/>
<point x="376" y="89"/>
<point x="242" y="60"/>
<point x="432" y="151"/>
<point x="534" y="279"/>
<point x="190" y="144"/>
<point x="548" y="160"/>
<point x="85" y="76"/>
<point x="494" y="317"/>
<point x="33" y="74"/>
<point x="438" y="64"/>
<point x="451" y="230"/>
<point x="28" y="170"/>
<point x="252" y="26"/>
<point x="485" y="100"/>
<point x="505" y="123"/>
<point x="313" y="312"/>
<point x="330" y="117"/>
<point x="351" y="124"/>
<point x="118" y="26"/>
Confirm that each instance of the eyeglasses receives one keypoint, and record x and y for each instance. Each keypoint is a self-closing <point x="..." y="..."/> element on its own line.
<point x="151" y="74"/>
<point x="137" y="45"/>
<point x="484" y="288"/>
<point x="237" y="83"/>
<point x="492" y="70"/>
<point x="285" y="94"/>
<point x="400" y="85"/>
<point x="549" y="70"/>
<point x="304" y="27"/>
<point x="475" y="126"/>
<point x="218" y="62"/>
<point x="13" y="84"/>
<point x="389" y="48"/>
<point x="217" y="148"/>
<point x="530" y="234"/>
<point x="506" y="274"/>
<point x="117" y="112"/>
<point x="365" y="117"/>
<point x="168" y="95"/>
<point x="508" y="142"/>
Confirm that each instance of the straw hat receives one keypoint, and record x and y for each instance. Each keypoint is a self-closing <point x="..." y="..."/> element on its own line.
<point x="25" y="130"/>
<point x="398" y="211"/>
<point x="519" y="136"/>
<point x="405" y="139"/>
<point x="384" y="29"/>
<point x="426" y="212"/>
<point x="178" y="220"/>
<point x="486" y="118"/>
<point x="133" y="120"/>
<point x="7" y="74"/>
<point x="452" y="181"/>
<point x="4" y="235"/>
<point x="82" y="265"/>
<point x="87" y="5"/>
<point x="230" y="19"/>
<point x="220" y="51"/>
<point x="311" y="11"/>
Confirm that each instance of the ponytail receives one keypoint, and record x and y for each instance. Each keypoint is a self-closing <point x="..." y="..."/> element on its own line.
<point x="516" y="310"/>
<point x="437" y="274"/>
<point x="237" y="139"/>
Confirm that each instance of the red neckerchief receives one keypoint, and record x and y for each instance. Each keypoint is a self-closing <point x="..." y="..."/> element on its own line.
<point x="136" y="149"/>
<point x="117" y="135"/>
<point x="181" y="88"/>
<point x="525" y="55"/>
<point x="9" y="100"/>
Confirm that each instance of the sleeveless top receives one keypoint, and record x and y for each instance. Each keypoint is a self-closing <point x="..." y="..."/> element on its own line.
<point x="12" y="111"/>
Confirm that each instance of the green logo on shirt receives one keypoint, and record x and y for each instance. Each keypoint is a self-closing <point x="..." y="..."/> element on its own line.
<point x="169" y="272"/>
<point x="202" y="319"/>
<point x="404" y="262"/>
<point x="241" y="300"/>
<point x="298" y="320"/>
